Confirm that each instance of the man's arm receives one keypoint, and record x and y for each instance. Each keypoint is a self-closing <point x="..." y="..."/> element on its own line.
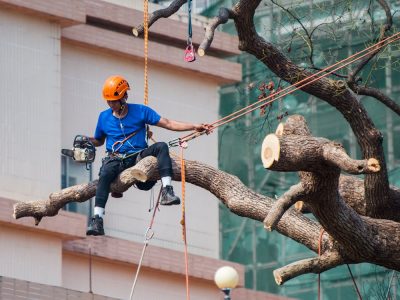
<point x="96" y="142"/>
<point x="181" y="126"/>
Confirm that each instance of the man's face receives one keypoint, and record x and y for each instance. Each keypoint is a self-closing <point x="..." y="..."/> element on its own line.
<point x="116" y="104"/>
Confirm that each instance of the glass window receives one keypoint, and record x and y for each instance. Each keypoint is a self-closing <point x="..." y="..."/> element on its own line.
<point x="73" y="173"/>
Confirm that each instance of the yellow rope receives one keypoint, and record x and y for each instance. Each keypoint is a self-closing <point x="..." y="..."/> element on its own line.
<point x="146" y="42"/>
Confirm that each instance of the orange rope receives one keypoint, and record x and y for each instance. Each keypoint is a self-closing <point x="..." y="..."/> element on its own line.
<point x="319" y="254"/>
<point x="183" y="223"/>
<point x="146" y="43"/>
<point x="296" y="86"/>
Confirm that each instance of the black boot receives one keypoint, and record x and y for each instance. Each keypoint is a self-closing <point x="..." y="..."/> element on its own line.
<point x="168" y="197"/>
<point x="95" y="226"/>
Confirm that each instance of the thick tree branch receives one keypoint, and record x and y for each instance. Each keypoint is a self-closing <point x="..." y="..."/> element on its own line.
<point x="158" y="14"/>
<point x="229" y="189"/>
<point x="284" y="154"/>
<point x="223" y="16"/>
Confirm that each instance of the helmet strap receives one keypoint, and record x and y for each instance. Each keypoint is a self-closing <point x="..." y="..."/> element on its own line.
<point x="122" y="103"/>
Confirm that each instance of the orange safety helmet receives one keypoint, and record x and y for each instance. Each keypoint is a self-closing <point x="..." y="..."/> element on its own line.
<point x="114" y="88"/>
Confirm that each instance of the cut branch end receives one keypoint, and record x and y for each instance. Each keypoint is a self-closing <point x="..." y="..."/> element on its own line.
<point x="299" y="205"/>
<point x="373" y="165"/>
<point x="278" y="278"/>
<point x="279" y="129"/>
<point x="201" y="52"/>
<point x="270" y="150"/>
<point x="135" y="31"/>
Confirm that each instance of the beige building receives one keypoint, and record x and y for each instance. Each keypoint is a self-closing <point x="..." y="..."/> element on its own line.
<point x="55" y="56"/>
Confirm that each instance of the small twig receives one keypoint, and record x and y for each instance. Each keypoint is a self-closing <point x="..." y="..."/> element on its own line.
<point x="386" y="27"/>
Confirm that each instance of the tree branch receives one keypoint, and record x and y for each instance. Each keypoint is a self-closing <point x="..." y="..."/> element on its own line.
<point x="223" y="16"/>
<point x="385" y="28"/>
<point x="282" y="205"/>
<point x="283" y="154"/>
<point x="158" y="14"/>
<point x="335" y="155"/>
<point x="377" y="94"/>
<point x="315" y="265"/>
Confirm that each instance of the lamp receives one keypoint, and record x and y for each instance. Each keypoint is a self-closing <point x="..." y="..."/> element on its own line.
<point x="226" y="278"/>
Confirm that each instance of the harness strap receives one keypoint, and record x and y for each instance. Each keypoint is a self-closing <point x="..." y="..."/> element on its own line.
<point x="122" y="142"/>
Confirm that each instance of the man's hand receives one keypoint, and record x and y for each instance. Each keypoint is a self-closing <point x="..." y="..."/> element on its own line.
<point x="203" y="127"/>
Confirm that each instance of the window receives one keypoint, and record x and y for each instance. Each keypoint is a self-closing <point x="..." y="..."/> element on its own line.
<point x="73" y="173"/>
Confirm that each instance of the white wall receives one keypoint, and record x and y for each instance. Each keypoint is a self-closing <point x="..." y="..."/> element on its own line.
<point x="30" y="257"/>
<point x="30" y="106"/>
<point x="116" y="281"/>
<point x="174" y="95"/>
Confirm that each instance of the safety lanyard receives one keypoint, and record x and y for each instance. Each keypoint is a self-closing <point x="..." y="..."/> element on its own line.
<point x="190" y="52"/>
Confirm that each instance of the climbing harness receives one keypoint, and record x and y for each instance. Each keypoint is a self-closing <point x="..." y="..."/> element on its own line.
<point x="118" y="144"/>
<point x="147" y="237"/>
<point x="288" y="90"/>
<point x="190" y="52"/>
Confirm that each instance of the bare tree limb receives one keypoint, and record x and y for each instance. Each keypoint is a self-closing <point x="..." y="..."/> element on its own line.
<point x="282" y="205"/>
<point x="223" y="16"/>
<point x="385" y="28"/>
<point x="158" y="14"/>
<point x="377" y="94"/>
<point x="315" y="265"/>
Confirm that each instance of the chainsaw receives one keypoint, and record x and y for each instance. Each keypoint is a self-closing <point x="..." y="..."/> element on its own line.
<point x="83" y="150"/>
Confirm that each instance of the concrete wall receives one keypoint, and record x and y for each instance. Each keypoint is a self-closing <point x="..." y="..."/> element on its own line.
<point x="30" y="106"/>
<point x="31" y="257"/>
<point x="115" y="280"/>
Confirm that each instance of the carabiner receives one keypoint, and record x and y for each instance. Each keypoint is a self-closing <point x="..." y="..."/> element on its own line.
<point x="174" y="143"/>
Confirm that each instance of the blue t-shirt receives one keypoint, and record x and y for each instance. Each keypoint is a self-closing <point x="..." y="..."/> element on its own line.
<point x="115" y="129"/>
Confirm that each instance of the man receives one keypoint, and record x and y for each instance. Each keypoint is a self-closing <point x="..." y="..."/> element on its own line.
<point x="123" y="128"/>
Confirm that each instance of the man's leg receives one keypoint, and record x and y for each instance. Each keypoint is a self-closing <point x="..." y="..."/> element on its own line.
<point x="161" y="152"/>
<point x="108" y="172"/>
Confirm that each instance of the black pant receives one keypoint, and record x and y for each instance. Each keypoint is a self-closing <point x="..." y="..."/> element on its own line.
<point x="113" y="166"/>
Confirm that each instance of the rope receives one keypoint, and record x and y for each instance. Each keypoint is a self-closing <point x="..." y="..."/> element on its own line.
<point x="146" y="45"/>
<point x="319" y="254"/>
<point x="390" y="285"/>
<point x="354" y="282"/>
<point x="147" y="237"/>
<point x="292" y="88"/>
<point x="190" y="33"/>
<point x="183" y="223"/>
